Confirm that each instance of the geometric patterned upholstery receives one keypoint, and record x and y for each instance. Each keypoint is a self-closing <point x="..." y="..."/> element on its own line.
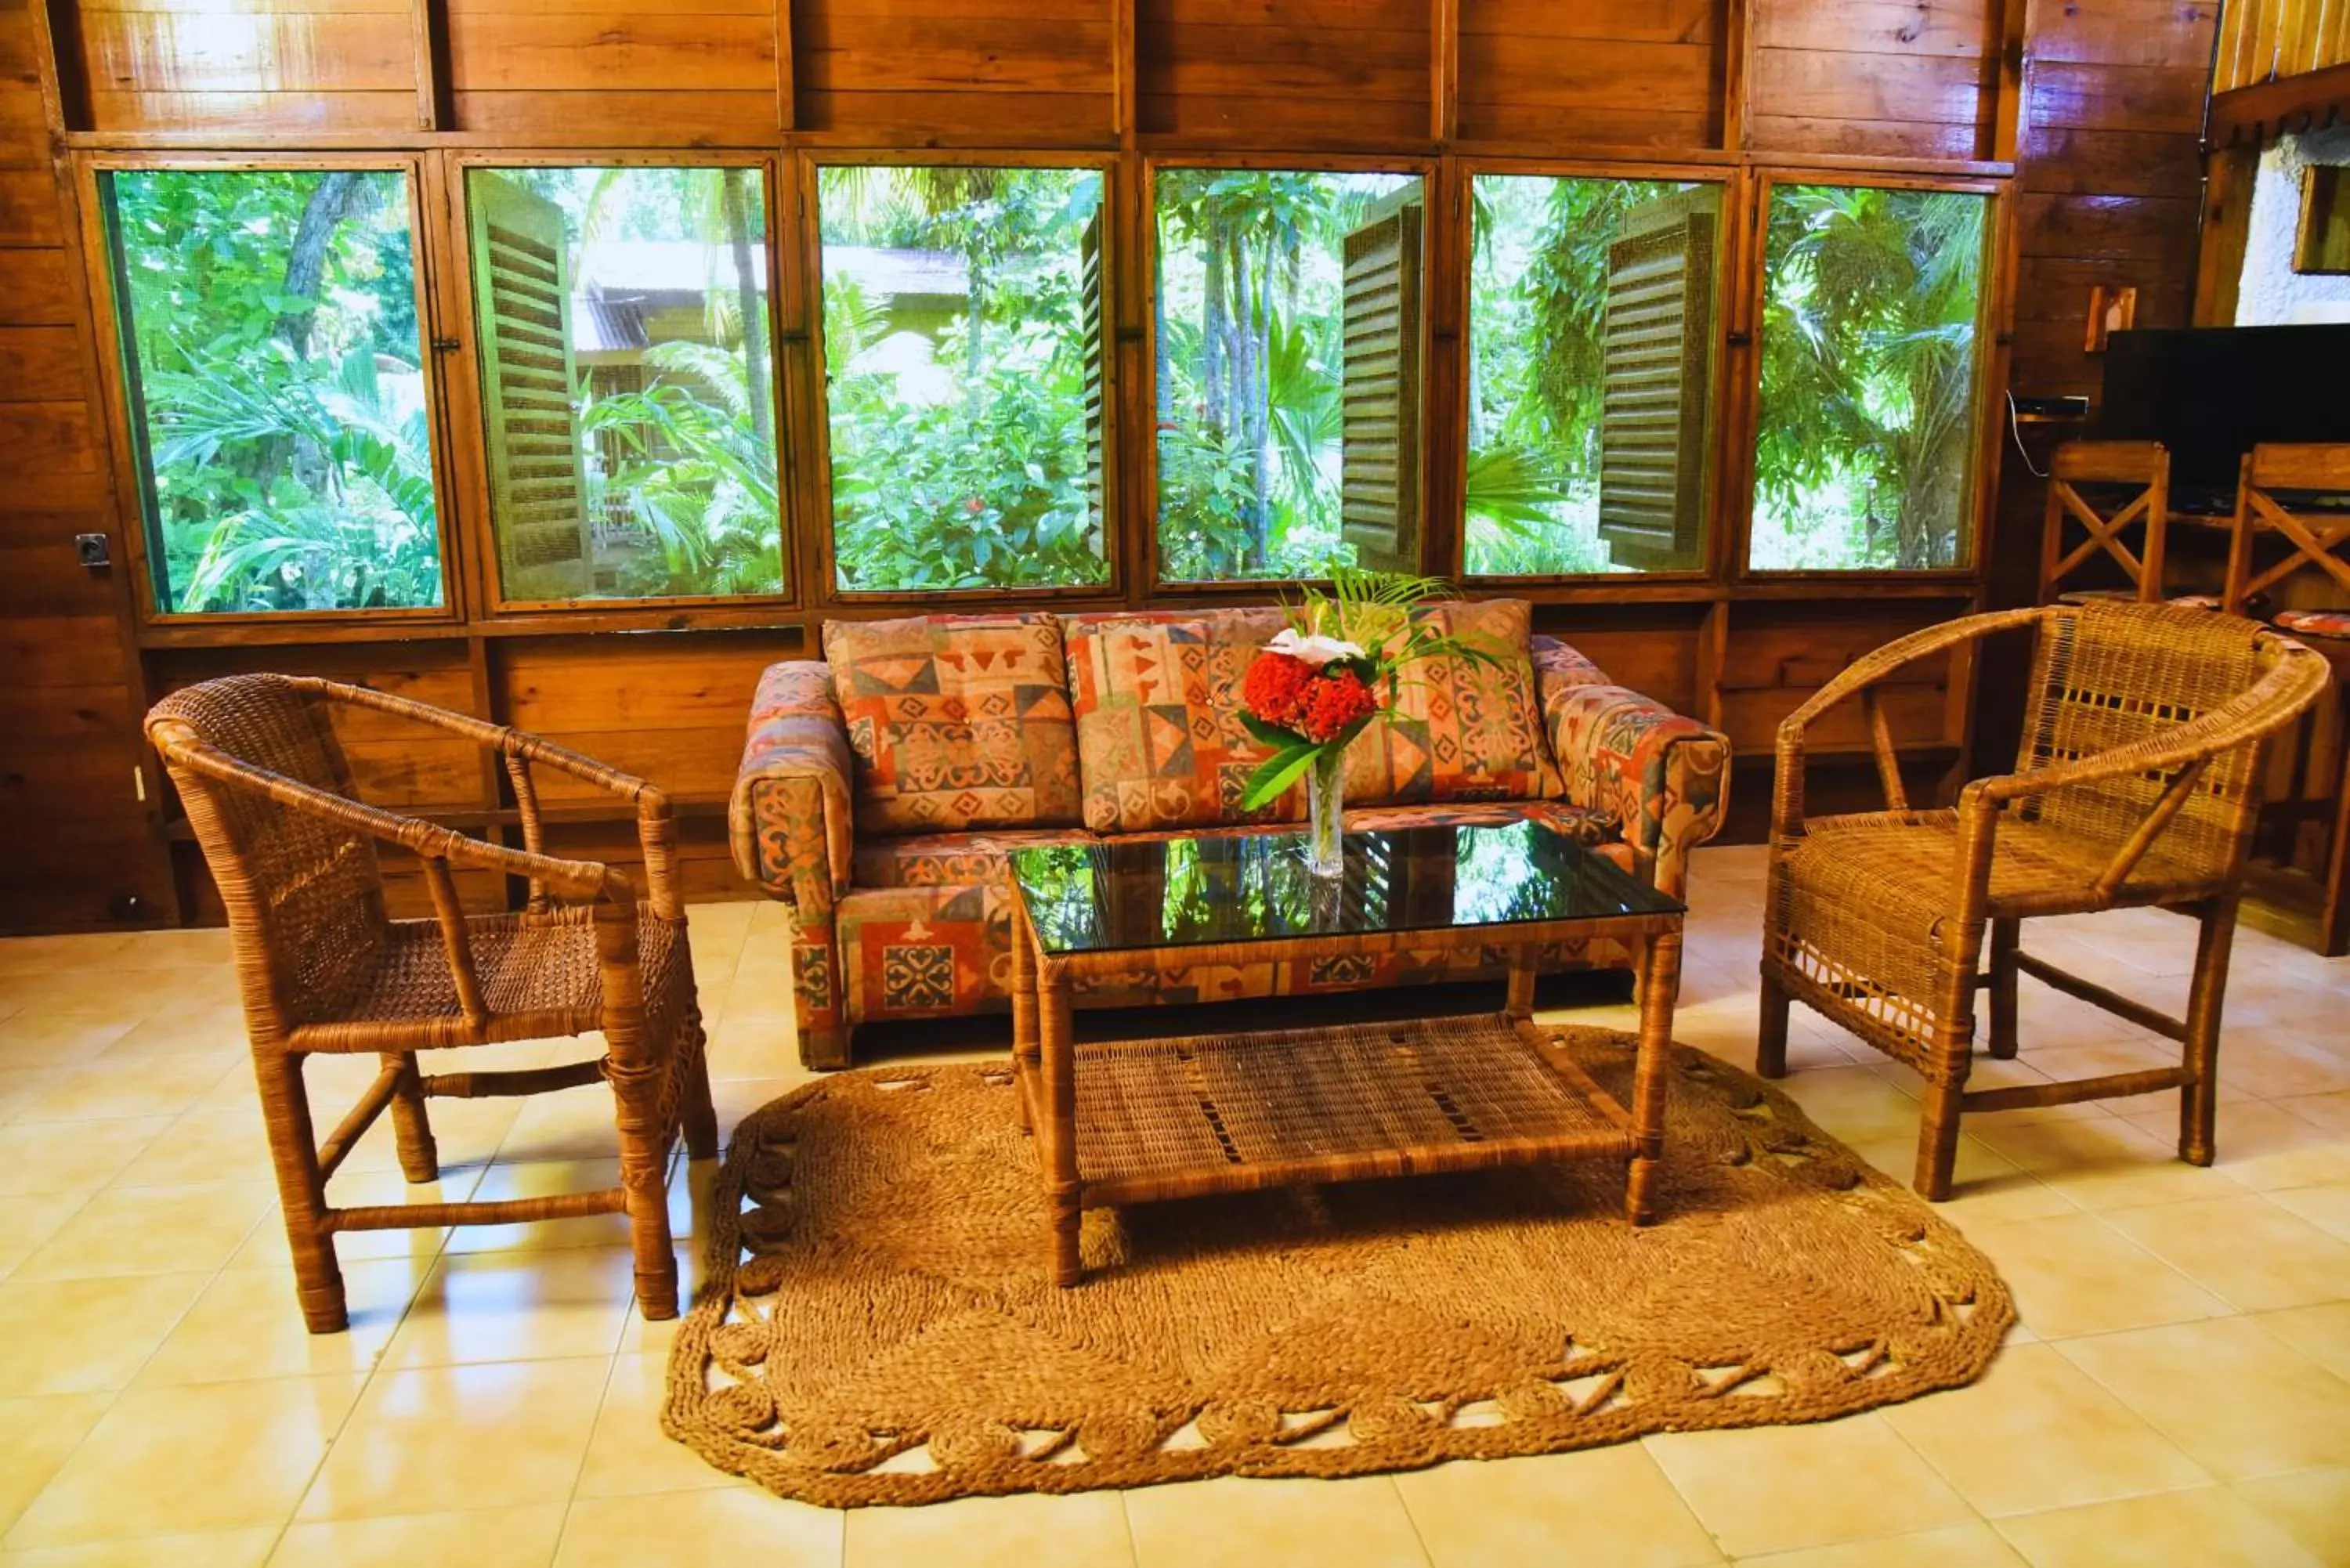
<point x="1159" y="740"/>
<point x="1460" y="730"/>
<point x="957" y="721"/>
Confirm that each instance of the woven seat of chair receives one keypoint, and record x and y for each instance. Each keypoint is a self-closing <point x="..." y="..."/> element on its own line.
<point x="538" y="972"/>
<point x="1864" y="900"/>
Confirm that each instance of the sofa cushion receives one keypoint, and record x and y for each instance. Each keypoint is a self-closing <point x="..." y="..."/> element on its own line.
<point x="1159" y="739"/>
<point x="958" y="721"/>
<point x="1460" y="730"/>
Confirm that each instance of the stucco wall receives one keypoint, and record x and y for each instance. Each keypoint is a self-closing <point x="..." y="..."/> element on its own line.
<point x="2271" y="293"/>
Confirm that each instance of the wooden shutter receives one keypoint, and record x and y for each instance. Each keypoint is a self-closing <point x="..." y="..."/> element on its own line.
<point x="1089" y="311"/>
<point x="1379" y="384"/>
<point x="1658" y="339"/>
<point x="522" y="302"/>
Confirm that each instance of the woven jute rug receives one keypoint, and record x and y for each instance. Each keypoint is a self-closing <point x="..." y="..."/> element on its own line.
<point x="879" y="1327"/>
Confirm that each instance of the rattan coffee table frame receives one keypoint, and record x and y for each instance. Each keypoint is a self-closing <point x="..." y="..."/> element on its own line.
<point x="1047" y="1060"/>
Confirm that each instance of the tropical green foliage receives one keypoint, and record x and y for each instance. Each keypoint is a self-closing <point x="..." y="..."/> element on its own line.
<point x="677" y="435"/>
<point x="1249" y="361"/>
<point x="960" y="453"/>
<point x="270" y="318"/>
<point x="1537" y="315"/>
<point x="1870" y="304"/>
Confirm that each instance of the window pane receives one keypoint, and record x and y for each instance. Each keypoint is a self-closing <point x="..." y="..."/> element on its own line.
<point x="962" y="373"/>
<point x="628" y="397"/>
<point x="1865" y="450"/>
<point x="1591" y="315"/>
<point x="1288" y="372"/>
<point x="273" y="366"/>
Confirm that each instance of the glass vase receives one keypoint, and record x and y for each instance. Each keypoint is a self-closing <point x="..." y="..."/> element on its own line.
<point x="1326" y="788"/>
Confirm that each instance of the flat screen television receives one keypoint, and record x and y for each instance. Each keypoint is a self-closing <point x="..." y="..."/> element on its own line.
<point x="2210" y="394"/>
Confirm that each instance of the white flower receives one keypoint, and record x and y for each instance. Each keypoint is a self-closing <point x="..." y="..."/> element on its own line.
<point x="1316" y="650"/>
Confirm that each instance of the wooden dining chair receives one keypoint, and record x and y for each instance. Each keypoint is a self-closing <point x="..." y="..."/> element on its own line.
<point x="322" y="968"/>
<point x="2130" y="483"/>
<point x="2271" y="504"/>
<point x="2137" y="783"/>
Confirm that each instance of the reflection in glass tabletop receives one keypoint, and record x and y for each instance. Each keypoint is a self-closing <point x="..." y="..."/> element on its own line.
<point x="1124" y="894"/>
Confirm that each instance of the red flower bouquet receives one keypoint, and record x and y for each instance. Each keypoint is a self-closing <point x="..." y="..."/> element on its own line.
<point x="1325" y="677"/>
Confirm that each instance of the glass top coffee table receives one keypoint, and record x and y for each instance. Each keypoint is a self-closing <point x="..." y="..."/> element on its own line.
<point x="1131" y="1121"/>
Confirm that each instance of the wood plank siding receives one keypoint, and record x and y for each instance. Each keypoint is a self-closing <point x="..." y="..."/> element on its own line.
<point x="2078" y="118"/>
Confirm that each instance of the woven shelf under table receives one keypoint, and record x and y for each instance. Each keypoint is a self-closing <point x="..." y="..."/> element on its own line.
<point x="1222" y="1113"/>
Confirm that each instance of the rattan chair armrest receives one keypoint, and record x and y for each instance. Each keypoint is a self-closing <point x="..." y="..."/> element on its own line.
<point x="1787" y="795"/>
<point x="583" y="881"/>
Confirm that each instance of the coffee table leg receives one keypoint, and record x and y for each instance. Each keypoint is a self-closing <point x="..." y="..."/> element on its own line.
<point x="1024" y="1009"/>
<point x="1660" y="969"/>
<point x="1521" y="998"/>
<point x="1062" y="1192"/>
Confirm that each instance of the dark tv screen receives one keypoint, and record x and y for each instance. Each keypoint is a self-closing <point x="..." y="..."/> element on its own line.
<point x="2210" y="394"/>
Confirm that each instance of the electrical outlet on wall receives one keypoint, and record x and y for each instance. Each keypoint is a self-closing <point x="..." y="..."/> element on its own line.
<point x="92" y="550"/>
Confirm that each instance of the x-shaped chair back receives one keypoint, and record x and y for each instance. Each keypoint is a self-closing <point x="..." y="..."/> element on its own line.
<point x="2143" y="464"/>
<point x="2273" y="478"/>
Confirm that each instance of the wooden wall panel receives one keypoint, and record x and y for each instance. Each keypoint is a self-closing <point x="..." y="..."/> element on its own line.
<point x="673" y="713"/>
<point x="315" y="64"/>
<point x="899" y="71"/>
<point x="1875" y="78"/>
<point x="78" y="845"/>
<point x="1778" y="656"/>
<point x="1295" y="73"/>
<point x="2269" y="40"/>
<point x="1626" y="73"/>
<point x="580" y="70"/>
<point x="2112" y="175"/>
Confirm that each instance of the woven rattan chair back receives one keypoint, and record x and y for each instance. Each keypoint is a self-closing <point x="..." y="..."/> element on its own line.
<point x="2107" y="676"/>
<point x="303" y="896"/>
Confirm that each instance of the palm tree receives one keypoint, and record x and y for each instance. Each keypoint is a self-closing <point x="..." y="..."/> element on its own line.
<point x="1868" y="357"/>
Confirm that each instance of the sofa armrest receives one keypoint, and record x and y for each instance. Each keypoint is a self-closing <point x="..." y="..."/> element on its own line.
<point x="1664" y="777"/>
<point x="790" y="821"/>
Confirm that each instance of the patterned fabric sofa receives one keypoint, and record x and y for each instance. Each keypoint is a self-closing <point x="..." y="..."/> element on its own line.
<point x="881" y="788"/>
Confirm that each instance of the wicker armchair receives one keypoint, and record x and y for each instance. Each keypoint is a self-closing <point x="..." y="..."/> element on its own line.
<point x="322" y="968"/>
<point x="2137" y="783"/>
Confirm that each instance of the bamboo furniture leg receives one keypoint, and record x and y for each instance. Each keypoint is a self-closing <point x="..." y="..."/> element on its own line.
<point x="1520" y="1000"/>
<point x="1025" y="1063"/>
<point x="301" y="1190"/>
<point x="1770" y="1039"/>
<point x="2198" y="1099"/>
<point x="698" y="1114"/>
<point x="2006" y="940"/>
<point x="1063" y="1194"/>
<point x="420" y="1159"/>
<point x="1661" y="973"/>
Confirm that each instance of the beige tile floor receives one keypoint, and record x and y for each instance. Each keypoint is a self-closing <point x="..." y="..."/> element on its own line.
<point x="2178" y="1392"/>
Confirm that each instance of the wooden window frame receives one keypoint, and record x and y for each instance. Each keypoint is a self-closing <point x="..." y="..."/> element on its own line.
<point x="1735" y="194"/>
<point x="1427" y="170"/>
<point x="90" y="173"/>
<point x="463" y="395"/>
<point x="1993" y="312"/>
<point x="824" y="589"/>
